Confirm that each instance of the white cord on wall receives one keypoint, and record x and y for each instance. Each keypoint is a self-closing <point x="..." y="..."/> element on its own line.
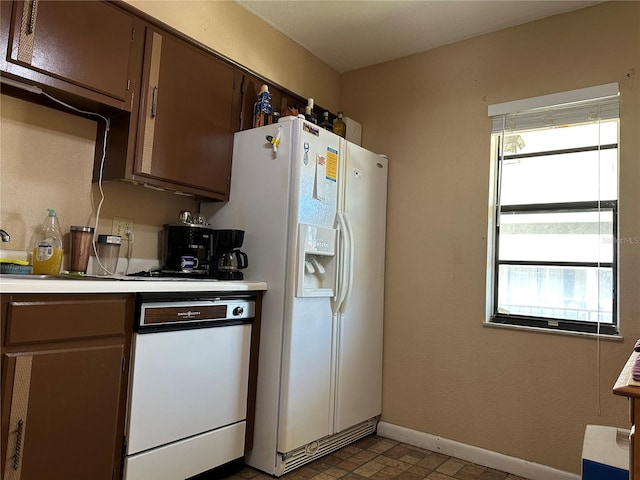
<point x="37" y="90"/>
<point x="132" y="237"/>
<point x="102" y="160"/>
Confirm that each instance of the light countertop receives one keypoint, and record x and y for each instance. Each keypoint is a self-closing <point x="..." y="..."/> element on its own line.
<point x="16" y="284"/>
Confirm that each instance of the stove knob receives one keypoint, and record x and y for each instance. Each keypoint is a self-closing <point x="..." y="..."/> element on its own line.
<point x="238" y="311"/>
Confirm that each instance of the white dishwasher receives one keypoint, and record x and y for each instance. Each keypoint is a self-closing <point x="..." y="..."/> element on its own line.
<point x="188" y="388"/>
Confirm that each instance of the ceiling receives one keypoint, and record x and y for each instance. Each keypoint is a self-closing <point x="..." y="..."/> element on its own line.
<point x="353" y="34"/>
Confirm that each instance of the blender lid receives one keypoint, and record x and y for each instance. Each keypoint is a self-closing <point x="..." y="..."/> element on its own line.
<point x="76" y="228"/>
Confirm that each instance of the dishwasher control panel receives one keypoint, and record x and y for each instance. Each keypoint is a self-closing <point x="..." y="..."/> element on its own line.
<point x="179" y="314"/>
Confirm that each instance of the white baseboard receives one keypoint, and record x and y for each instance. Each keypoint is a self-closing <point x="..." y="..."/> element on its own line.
<point x="480" y="456"/>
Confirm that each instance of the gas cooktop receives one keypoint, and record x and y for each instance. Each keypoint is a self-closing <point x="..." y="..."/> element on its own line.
<point x="161" y="274"/>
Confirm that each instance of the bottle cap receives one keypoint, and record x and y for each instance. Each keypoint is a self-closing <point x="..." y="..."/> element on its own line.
<point x="264" y="88"/>
<point x="52" y="212"/>
<point x="310" y="103"/>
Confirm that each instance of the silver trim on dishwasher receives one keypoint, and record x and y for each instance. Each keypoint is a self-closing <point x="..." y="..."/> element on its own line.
<point x="186" y="311"/>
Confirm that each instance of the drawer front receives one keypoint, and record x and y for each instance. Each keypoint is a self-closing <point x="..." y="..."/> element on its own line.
<point x="59" y="320"/>
<point x="188" y="457"/>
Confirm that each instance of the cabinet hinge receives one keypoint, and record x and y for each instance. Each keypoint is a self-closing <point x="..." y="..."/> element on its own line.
<point x="228" y="181"/>
<point x="128" y="85"/>
<point x="133" y="34"/>
<point x="123" y="364"/>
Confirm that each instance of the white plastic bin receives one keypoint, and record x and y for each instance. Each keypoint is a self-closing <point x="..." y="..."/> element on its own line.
<point x="605" y="453"/>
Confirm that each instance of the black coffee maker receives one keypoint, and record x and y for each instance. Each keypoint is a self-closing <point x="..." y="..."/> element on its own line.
<point x="187" y="249"/>
<point x="227" y="259"/>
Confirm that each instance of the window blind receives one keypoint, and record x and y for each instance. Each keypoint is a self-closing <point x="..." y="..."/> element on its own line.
<point x="575" y="106"/>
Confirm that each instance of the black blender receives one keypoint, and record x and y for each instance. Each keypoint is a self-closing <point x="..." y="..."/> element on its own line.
<point x="228" y="259"/>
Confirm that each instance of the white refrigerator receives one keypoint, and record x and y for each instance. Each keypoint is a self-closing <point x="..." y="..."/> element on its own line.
<point x="313" y="208"/>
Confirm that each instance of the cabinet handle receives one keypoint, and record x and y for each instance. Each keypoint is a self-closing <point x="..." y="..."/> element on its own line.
<point x="154" y="101"/>
<point x="16" y="457"/>
<point x="32" y="17"/>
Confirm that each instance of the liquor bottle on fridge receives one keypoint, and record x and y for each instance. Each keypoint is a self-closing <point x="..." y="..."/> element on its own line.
<point x="320" y="245"/>
<point x="326" y="124"/>
<point x="309" y="114"/>
<point x="339" y="127"/>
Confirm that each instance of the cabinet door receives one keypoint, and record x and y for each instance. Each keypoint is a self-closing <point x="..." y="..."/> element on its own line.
<point x="87" y="44"/>
<point x="63" y="414"/>
<point x="190" y="110"/>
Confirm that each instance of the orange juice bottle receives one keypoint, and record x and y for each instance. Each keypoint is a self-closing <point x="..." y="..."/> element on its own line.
<point x="47" y="249"/>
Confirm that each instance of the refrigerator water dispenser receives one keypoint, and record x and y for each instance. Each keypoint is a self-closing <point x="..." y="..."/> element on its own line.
<point x="316" y="260"/>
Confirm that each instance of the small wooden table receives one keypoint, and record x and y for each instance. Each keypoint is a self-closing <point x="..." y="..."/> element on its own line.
<point x="627" y="387"/>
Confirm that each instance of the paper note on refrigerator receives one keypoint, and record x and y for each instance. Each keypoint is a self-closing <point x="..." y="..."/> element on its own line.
<point x="321" y="169"/>
<point x="332" y="164"/>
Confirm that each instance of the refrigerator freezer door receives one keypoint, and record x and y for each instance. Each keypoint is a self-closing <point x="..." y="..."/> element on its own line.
<point x="359" y="357"/>
<point x="306" y="395"/>
<point x="306" y="406"/>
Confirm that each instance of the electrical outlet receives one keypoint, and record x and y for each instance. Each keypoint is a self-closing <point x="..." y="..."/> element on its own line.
<point x="121" y="225"/>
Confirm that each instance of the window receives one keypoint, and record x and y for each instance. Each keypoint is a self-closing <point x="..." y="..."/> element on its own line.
<point x="553" y="229"/>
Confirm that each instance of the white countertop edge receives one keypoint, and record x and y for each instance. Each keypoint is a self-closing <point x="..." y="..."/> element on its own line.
<point x="14" y="285"/>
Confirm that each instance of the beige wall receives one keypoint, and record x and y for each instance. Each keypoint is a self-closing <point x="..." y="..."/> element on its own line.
<point x="47" y="155"/>
<point x="523" y="394"/>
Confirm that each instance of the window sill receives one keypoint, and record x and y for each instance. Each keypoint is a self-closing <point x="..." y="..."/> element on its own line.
<point x="614" y="338"/>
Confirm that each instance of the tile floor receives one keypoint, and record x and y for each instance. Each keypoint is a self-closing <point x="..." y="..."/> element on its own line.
<point x="379" y="458"/>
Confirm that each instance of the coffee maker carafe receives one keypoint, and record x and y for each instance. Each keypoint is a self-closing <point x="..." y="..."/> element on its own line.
<point x="228" y="259"/>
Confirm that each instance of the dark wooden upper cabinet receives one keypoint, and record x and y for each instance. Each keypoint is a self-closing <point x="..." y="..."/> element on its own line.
<point x="190" y="108"/>
<point x="77" y="47"/>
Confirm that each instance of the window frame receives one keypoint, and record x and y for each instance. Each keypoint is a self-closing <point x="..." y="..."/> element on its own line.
<point x="495" y="317"/>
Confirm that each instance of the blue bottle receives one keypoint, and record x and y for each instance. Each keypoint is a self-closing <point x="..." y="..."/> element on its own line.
<point x="262" y="109"/>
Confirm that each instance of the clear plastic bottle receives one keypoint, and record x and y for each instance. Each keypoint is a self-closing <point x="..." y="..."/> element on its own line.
<point x="262" y="109"/>
<point x="339" y="127"/>
<point x="47" y="248"/>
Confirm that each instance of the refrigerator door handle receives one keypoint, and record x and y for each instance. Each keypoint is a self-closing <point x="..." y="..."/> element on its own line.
<point x="350" y="262"/>
<point x="344" y="254"/>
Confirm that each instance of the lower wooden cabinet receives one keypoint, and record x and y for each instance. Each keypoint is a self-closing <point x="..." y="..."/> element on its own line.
<point x="64" y="371"/>
<point x="627" y="387"/>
